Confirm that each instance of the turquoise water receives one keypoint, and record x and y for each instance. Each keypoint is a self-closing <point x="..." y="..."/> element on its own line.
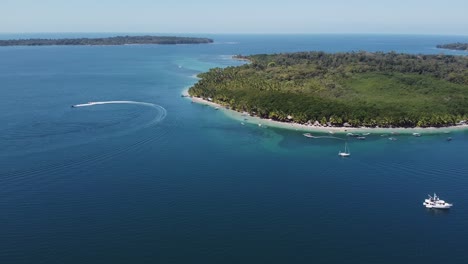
<point x="175" y="182"/>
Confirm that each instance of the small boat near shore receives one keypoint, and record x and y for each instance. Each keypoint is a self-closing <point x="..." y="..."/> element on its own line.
<point x="345" y="153"/>
<point x="434" y="202"/>
<point x="86" y="104"/>
<point x="417" y="134"/>
<point x="308" y="135"/>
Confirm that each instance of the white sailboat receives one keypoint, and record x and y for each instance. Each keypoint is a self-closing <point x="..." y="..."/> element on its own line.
<point x="346" y="152"/>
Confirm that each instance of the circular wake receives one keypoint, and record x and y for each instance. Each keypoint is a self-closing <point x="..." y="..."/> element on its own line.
<point x="46" y="170"/>
<point x="157" y="119"/>
<point x="77" y="127"/>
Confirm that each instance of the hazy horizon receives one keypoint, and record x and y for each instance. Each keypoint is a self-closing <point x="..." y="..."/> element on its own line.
<point x="201" y="34"/>
<point x="239" y="17"/>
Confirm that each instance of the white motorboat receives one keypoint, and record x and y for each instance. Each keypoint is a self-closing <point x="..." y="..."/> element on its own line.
<point x="434" y="202"/>
<point x="308" y="135"/>
<point x="346" y="152"/>
<point x="416" y="134"/>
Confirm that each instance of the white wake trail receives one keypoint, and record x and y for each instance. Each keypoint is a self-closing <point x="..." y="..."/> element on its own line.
<point x="162" y="111"/>
<point x="113" y="102"/>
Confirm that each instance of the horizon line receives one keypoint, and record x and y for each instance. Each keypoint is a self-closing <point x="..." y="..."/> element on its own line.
<point x="237" y="33"/>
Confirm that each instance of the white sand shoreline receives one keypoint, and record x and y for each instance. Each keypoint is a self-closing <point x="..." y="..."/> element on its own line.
<point x="245" y="118"/>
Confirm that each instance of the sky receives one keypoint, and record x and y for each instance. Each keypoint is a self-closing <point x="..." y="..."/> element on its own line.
<point x="236" y="16"/>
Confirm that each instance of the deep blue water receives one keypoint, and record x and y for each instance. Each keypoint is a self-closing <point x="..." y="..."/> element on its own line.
<point x="176" y="182"/>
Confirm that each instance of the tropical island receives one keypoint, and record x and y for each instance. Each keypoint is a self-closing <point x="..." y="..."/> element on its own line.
<point x="351" y="89"/>
<point x="119" y="40"/>
<point x="454" y="46"/>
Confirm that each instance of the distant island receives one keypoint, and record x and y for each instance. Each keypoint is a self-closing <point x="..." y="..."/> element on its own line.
<point x="454" y="46"/>
<point x="119" y="40"/>
<point x="344" y="89"/>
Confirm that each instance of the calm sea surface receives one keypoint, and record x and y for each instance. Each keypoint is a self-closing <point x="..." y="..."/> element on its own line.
<point x="161" y="180"/>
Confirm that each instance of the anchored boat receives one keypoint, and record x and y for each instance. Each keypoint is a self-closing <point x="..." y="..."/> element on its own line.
<point x="434" y="202"/>
<point x="346" y="152"/>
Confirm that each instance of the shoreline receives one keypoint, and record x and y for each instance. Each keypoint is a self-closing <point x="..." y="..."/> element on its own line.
<point x="236" y="57"/>
<point x="248" y="119"/>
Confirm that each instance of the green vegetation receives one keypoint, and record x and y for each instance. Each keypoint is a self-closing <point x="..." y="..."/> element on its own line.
<point x="360" y="89"/>
<point x="120" y="40"/>
<point x="454" y="46"/>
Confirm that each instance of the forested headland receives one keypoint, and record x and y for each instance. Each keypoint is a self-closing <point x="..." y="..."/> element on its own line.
<point x="344" y="89"/>
<point x="454" y="46"/>
<point x="119" y="40"/>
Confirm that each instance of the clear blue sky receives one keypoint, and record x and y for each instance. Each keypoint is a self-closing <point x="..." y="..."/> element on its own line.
<point x="236" y="16"/>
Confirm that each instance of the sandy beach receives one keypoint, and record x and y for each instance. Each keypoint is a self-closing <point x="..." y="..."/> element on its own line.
<point x="247" y="119"/>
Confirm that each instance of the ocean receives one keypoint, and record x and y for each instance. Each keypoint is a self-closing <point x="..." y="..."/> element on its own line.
<point x="150" y="177"/>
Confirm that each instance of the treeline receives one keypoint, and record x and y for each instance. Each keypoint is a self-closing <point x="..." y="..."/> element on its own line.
<point x="454" y="46"/>
<point x="355" y="89"/>
<point x="451" y="68"/>
<point x="119" y="40"/>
